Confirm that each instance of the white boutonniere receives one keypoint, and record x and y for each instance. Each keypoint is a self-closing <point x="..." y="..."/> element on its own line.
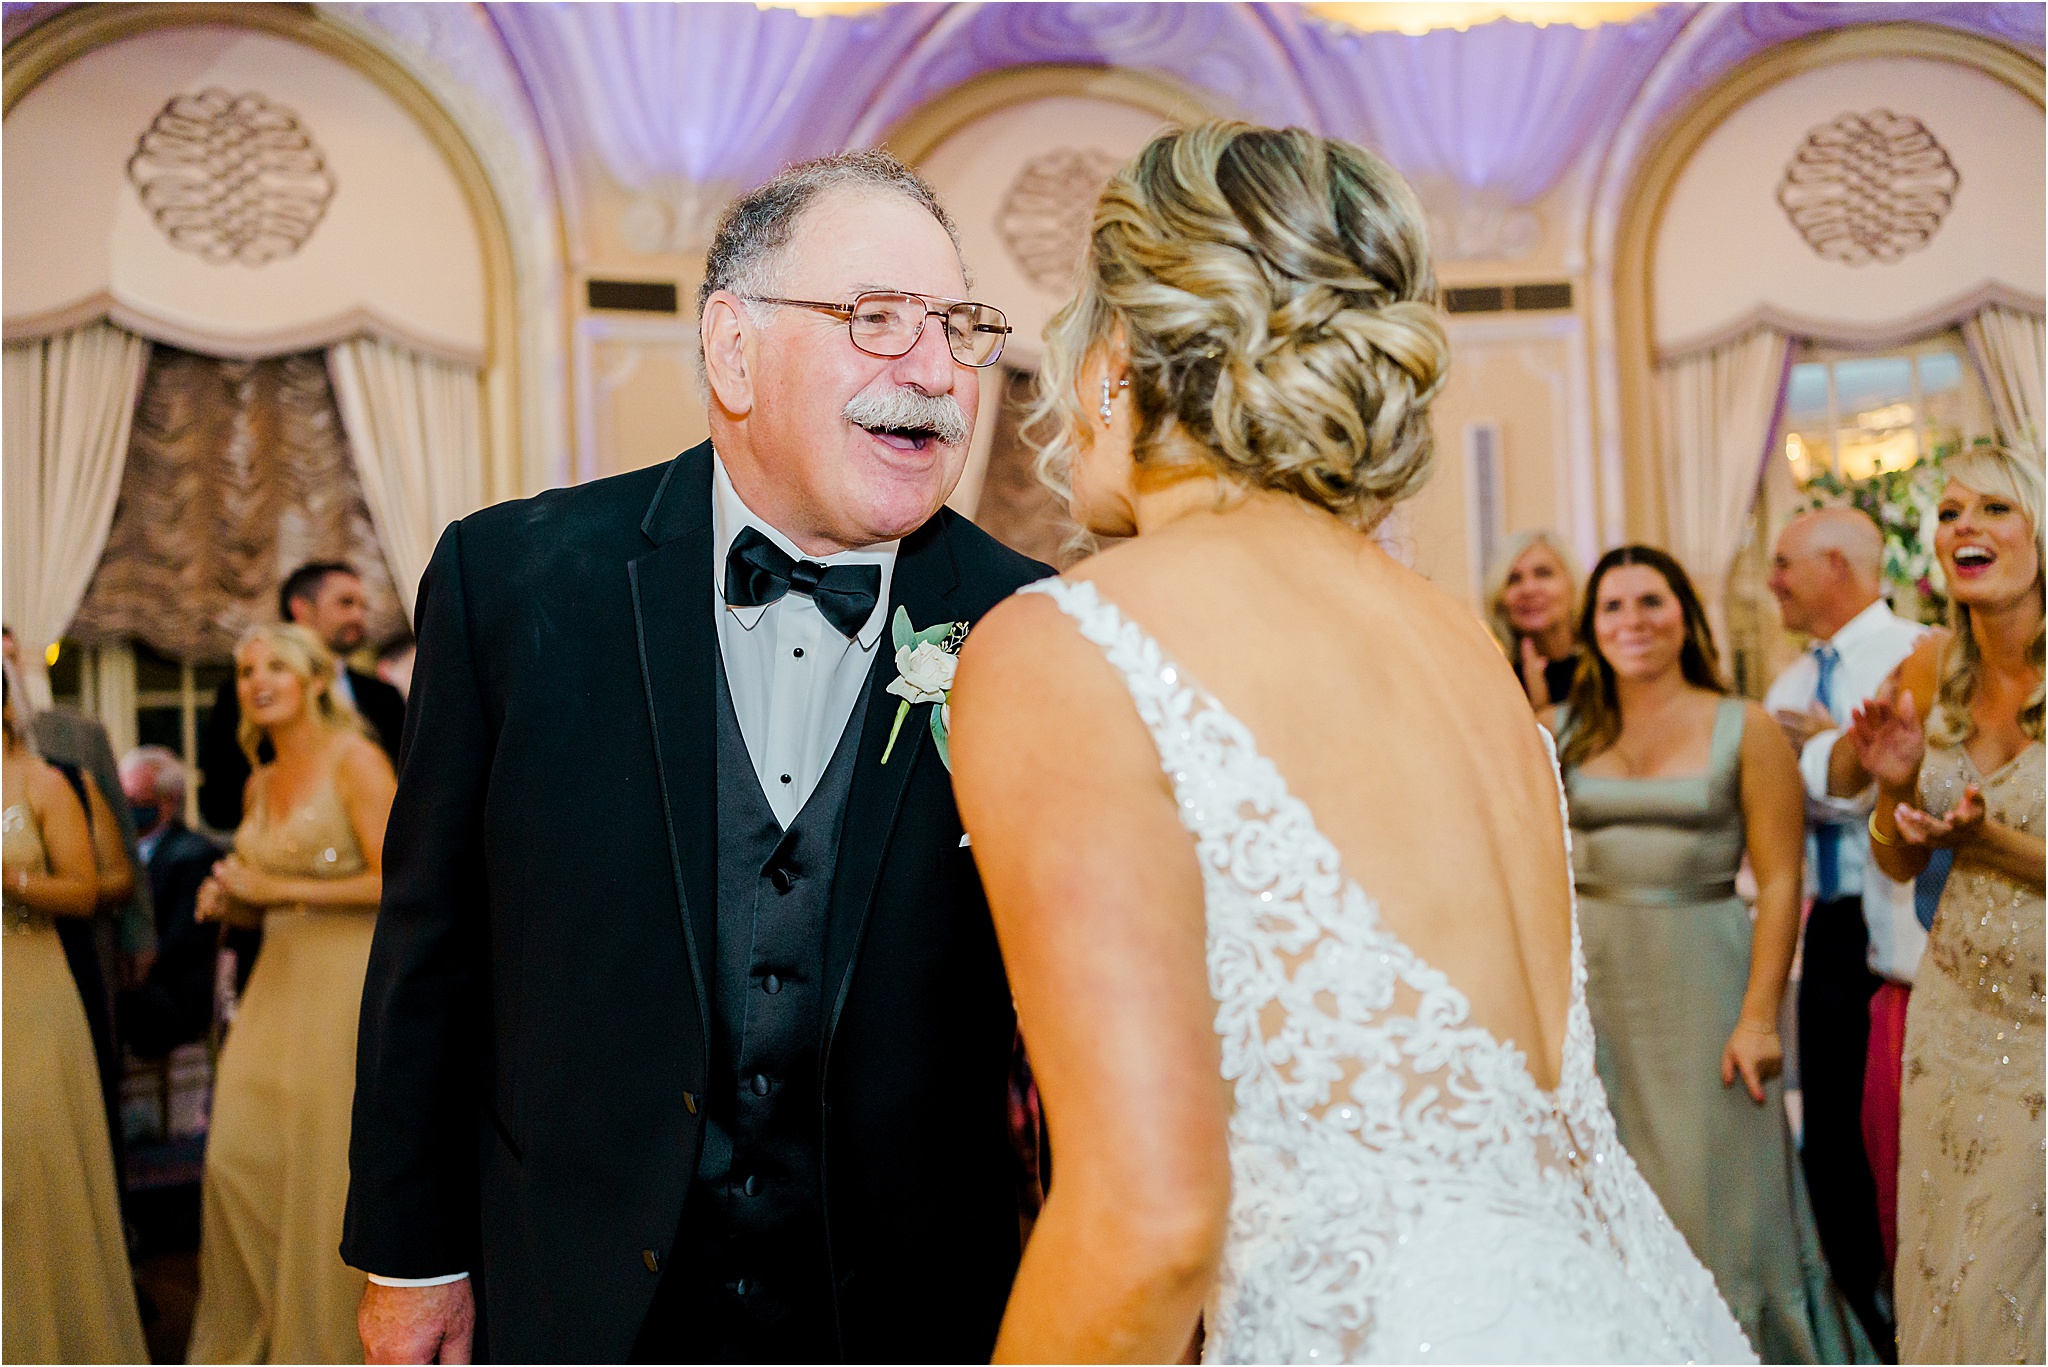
<point x="925" y="664"/>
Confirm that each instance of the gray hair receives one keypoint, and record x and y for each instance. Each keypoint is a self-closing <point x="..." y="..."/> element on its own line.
<point x="754" y="229"/>
<point x="166" y="771"/>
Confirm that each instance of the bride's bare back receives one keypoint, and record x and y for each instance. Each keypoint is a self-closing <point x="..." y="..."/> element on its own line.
<point x="1389" y="711"/>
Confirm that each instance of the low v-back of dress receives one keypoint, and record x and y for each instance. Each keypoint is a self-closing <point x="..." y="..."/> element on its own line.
<point x="1402" y="1189"/>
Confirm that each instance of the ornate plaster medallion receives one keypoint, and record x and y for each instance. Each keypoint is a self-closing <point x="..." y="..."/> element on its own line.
<point x="231" y="177"/>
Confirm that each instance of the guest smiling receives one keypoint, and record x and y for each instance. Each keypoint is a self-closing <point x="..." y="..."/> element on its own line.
<point x="307" y="862"/>
<point x="1670" y="781"/>
<point x="1532" y="592"/>
<point x="1971" y="1185"/>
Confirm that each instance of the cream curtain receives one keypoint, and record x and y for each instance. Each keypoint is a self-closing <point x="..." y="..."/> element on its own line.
<point x="415" y="426"/>
<point x="1715" y="411"/>
<point x="2007" y="346"/>
<point x="70" y="400"/>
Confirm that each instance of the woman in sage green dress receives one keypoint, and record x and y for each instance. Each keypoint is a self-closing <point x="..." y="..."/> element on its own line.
<point x="1669" y="782"/>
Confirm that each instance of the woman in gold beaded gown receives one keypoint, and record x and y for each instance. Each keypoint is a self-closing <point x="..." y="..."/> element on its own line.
<point x="65" y="1291"/>
<point x="1972" y="1189"/>
<point x="307" y="859"/>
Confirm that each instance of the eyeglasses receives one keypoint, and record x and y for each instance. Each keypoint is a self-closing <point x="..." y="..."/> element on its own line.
<point x="888" y="323"/>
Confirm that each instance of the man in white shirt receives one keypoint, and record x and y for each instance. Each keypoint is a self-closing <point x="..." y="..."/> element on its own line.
<point x="1826" y="573"/>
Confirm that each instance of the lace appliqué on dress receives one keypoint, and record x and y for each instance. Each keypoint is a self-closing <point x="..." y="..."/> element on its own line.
<point x="1401" y="1187"/>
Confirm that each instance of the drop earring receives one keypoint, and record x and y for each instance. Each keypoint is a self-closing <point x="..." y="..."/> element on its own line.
<point x="1106" y="411"/>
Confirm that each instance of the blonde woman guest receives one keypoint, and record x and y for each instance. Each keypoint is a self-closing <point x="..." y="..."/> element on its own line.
<point x="1968" y="1280"/>
<point x="1532" y="604"/>
<point x="307" y="862"/>
<point x="1297" y="982"/>
<point x="1671" y="780"/>
<point x="65" y="1288"/>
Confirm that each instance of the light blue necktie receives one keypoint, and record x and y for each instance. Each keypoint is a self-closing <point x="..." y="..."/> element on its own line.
<point x="1827" y="852"/>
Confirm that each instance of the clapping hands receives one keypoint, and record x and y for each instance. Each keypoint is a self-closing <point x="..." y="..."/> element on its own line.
<point x="1888" y="738"/>
<point x="1963" y="824"/>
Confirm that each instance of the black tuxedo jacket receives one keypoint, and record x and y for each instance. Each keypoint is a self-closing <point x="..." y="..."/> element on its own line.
<point x="224" y="769"/>
<point x="536" y="1025"/>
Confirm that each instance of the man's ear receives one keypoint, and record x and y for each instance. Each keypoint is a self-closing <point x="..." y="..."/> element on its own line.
<point x="728" y="337"/>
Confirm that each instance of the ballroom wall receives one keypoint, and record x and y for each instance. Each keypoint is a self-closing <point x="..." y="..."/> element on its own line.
<point x="602" y="141"/>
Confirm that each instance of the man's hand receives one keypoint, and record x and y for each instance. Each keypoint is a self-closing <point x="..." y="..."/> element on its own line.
<point x="1801" y="727"/>
<point x="417" y="1323"/>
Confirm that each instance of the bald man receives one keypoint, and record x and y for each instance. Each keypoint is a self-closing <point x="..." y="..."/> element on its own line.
<point x="1827" y="575"/>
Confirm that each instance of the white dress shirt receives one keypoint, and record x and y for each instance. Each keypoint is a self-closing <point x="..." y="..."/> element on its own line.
<point x="794" y="679"/>
<point x="344" y="687"/>
<point x="1870" y="646"/>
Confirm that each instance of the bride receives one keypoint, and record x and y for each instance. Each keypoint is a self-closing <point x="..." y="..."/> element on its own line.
<point x="1289" y="922"/>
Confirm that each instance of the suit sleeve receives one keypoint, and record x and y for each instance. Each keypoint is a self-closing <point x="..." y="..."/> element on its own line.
<point x="223" y="768"/>
<point x="421" y="1051"/>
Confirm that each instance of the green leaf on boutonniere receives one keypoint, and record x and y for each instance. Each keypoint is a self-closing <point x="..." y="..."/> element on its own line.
<point x="900" y="634"/>
<point x="939" y="736"/>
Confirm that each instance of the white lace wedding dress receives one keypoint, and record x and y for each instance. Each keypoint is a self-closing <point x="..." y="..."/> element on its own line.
<point x="1401" y="1189"/>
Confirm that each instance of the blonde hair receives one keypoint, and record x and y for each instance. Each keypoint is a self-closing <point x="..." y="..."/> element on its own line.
<point x="300" y="651"/>
<point x="1514" y="549"/>
<point x="1275" y="291"/>
<point x="1987" y="469"/>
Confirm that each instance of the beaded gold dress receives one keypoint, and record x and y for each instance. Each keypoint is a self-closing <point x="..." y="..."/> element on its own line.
<point x="68" y="1295"/>
<point x="1971" y="1182"/>
<point x="272" y="1285"/>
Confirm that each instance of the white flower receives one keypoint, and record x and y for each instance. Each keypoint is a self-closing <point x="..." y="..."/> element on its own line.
<point x="924" y="673"/>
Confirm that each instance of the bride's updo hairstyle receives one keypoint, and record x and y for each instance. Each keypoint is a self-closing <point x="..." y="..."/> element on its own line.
<point x="1275" y="291"/>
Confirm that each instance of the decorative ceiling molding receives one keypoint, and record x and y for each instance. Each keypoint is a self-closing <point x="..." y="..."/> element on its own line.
<point x="231" y="177"/>
<point x="323" y="332"/>
<point x="1869" y="187"/>
<point x="1860" y="336"/>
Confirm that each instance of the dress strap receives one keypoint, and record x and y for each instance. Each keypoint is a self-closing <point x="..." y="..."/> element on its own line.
<point x="1724" y="755"/>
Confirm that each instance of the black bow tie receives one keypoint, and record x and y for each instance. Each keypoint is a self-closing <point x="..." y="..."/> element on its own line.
<point x="758" y="572"/>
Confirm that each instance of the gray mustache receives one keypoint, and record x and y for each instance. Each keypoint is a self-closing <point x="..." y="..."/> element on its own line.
<point x="907" y="410"/>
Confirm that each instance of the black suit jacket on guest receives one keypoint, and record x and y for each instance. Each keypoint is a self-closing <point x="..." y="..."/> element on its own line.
<point x="224" y="769"/>
<point x="536" y="1027"/>
<point x="174" y="1004"/>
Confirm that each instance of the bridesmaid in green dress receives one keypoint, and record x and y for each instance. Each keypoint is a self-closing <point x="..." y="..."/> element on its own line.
<point x="1670" y="780"/>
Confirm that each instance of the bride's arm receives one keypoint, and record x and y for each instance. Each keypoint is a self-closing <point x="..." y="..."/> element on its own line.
<point x="1098" y="902"/>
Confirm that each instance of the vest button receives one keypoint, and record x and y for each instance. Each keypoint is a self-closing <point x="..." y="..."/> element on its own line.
<point x="782" y="878"/>
<point x="742" y="1286"/>
<point x="651" y="1259"/>
<point x="752" y="1186"/>
<point x="759" y="1086"/>
<point x="771" y="984"/>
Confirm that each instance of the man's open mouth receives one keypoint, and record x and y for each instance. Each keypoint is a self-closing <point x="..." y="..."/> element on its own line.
<point x="903" y="438"/>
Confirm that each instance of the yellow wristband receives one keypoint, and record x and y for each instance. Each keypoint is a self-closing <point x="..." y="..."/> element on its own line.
<point x="1879" y="836"/>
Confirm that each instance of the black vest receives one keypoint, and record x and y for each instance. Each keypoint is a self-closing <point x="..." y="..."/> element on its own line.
<point x="750" y="1266"/>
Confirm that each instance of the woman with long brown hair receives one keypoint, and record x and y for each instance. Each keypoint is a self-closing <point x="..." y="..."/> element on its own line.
<point x="307" y="864"/>
<point x="65" y="1288"/>
<point x="1670" y="781"/>
<point x="1969" y="1279"/>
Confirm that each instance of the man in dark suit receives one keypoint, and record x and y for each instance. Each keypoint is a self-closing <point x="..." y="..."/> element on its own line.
<point x="685" y="1035"/>
<point x="326" y="598"/>
<point x="173" y="1004"/>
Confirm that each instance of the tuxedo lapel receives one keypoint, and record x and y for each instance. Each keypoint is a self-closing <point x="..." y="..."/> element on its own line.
<point x="923" y="584"/>
<point x="678" y="651"/>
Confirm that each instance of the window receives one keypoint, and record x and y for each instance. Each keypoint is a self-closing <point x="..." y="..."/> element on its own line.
<point x="1855" y="416"/>
<point x="142" y="698"/>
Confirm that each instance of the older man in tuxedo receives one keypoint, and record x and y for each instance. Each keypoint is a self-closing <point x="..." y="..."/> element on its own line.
<point x="686" y="1037"/>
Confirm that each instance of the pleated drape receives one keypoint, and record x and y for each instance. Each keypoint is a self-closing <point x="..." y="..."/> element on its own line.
<point x="2007" y="347"/>
<point x="415" y="428"/>
<point x="1715" y="414"/>
<point x="70" y="400"/>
